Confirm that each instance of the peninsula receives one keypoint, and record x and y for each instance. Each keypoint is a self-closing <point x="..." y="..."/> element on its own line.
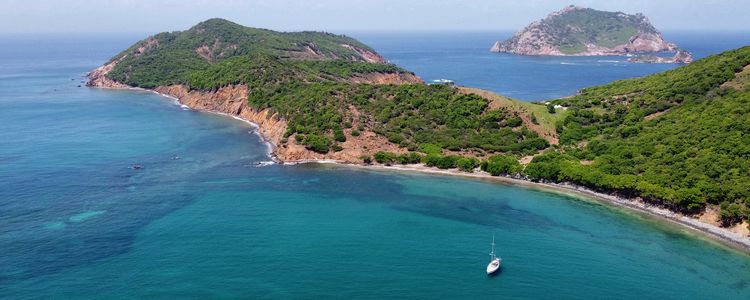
<point x="675" y="140"/>
<point x="577" y="31"/>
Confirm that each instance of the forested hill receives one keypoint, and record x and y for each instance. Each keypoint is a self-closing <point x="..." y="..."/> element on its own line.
<point x="680" y="138"/>
<point x="332" y="95"/>
<point x="172" y="57"/>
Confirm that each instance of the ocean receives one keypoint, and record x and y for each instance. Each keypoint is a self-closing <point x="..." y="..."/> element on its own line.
<point x="464" y="57"/>
<point x="201" y="220"/>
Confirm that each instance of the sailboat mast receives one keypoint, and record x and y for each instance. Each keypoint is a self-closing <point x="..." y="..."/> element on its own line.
<point x="492" y="254"/>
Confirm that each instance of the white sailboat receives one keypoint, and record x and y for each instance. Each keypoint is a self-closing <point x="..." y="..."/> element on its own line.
<point x="495" y="260"/>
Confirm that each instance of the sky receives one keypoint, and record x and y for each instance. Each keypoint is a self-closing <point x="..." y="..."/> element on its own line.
<point x="152" y="16"/>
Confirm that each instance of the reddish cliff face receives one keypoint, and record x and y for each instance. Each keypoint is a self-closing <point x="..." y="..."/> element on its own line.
<point x="98" y="77"/>
<point x="386" y="78"/>
<point x="232" y="100"/>
<point x="369" y="56"/>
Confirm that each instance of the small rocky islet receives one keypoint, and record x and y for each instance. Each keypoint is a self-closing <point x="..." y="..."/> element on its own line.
<point x="578" y="31"/>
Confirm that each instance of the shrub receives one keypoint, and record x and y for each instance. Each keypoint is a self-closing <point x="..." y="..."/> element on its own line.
<point x="545" y="166"/>
<point x="501" y="164"/>
<point x="339" y="136"/>
<point x="441" y="162"/>
<point x="731" y="213"/>
<point x="317" y="143"/>
<point x="430" y="149"/>
<point x="410" y="158"/>
<point x="386" y="158"/>
<point x="467" y="164"/>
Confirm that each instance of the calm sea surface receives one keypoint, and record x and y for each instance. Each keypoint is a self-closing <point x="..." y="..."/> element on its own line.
<point x="464" y="57"/>
<point x="200" y="221"/>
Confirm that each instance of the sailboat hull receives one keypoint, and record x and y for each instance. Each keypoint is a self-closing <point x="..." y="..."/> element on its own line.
<point x="493" y="266"/>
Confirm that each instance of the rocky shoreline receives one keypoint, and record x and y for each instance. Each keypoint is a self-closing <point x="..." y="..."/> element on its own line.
<point x="232" y="102"/>
<point x="562" y="33"/>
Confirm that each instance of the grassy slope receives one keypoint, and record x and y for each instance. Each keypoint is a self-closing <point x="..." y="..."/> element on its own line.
<point x="741" y="81"/>
<point x="546" y="121"/>
<point x="578" y="27"/>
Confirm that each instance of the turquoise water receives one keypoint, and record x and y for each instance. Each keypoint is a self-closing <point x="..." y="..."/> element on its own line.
<point x="464" y="57"/>
<point x="200" y="221"/>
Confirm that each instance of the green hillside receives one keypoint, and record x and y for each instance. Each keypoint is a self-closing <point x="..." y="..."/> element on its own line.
<point x="306" y="77"/>
<point x="576" y="28"/>
<point x="680" y="138"/>
<point x="171" y="57"/>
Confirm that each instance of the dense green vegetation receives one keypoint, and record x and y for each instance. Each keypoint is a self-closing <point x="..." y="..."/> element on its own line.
<point x="501" y="165"/>
<point x="602" y="28"/>
<point x="576" y="28"/>
<point x="314" y="89"/>
<point x="677" y="138"/>
<point x="411" y="115"/>
<point x="408" y="115"/>
<point x="170" y="57"/>
<point x="622" y="105"/>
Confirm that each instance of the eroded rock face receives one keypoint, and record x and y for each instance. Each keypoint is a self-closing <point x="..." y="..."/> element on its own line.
<point x="562" y="34"/>
<point x="230" y="100"/>
<point x="369" y="56"/>
<point x="233" y="100"/>
<point x="98" y="78"/>
<point x="386" y="78"/>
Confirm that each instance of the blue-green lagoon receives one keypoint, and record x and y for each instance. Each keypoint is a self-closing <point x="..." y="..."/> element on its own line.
<point x="201" y="221"/>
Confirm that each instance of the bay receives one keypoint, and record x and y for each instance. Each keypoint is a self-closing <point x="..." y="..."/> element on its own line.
<point x="200" y="220"/>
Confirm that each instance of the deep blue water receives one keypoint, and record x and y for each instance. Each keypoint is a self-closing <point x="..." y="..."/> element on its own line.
<point x="201" y="221"/>
<point x="465" y="58"/>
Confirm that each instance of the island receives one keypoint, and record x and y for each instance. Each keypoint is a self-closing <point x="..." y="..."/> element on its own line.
<point x="673" y="144"/>
<point x="578" y="31"/>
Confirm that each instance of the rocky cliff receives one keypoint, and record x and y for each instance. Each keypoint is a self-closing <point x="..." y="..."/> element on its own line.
<point x="581" y="31"/>
<point x="233" y="100"/>
<point x="317" y="95"/>
<point x="221" y="66"/>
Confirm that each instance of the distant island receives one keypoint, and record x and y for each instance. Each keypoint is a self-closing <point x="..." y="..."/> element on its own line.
<point x="675" y="140"/>
<point x="577" y="31"/>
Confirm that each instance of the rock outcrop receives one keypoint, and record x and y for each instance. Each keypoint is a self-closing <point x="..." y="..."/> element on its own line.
<point x="233" y="100"/>
<point x="576" y="31"/>
<point x="681" y="57"/>
<point x="98" y="77"/>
